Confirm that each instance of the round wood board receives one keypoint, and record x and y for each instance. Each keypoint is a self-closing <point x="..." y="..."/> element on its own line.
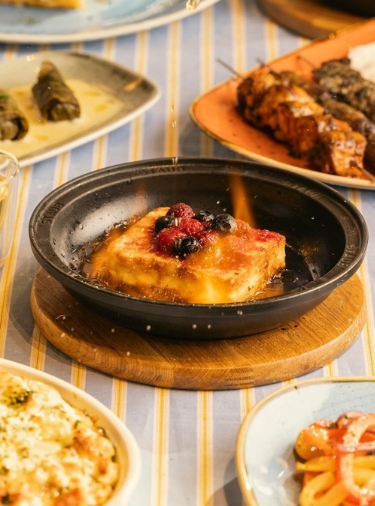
<point x="309" y="18"/>
<point x="297" y="348"/>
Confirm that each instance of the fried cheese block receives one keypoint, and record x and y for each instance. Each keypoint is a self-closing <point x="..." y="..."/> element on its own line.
<point x="235" y="268"/>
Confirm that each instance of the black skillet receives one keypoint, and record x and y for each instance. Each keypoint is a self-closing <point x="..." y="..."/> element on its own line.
<point x="326" y="235"/>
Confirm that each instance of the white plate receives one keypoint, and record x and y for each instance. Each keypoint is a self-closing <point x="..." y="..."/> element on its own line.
<point x="128" y="455"/>
<point x="264" y="452"/>
<point x="96" y="20"/>
<point x="110" y="96"/>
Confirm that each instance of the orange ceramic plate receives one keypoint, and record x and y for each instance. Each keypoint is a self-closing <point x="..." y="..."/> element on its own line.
<point x="216" y="114"/>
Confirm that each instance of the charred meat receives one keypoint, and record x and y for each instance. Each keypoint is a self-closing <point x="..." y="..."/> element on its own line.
<point x="339" y="110"/>
<point x="291" y="113"/>
<point x="347" y="85"/>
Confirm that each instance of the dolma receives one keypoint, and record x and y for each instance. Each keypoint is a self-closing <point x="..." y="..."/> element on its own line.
<point x="13" y="124"/>
<point x="55" y="99"/>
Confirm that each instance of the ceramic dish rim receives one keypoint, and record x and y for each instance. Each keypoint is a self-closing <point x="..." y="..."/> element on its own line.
<point x="104" y="33"/>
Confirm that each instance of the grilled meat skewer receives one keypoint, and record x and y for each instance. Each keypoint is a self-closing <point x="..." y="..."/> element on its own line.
<point x="269" y="101"/>
<point x="347" y="85"/>
<point x="340" y="110"/>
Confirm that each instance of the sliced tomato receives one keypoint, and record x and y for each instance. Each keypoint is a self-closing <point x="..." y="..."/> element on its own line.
<point x="345" y="461"/>
<point x="316" y="440"/>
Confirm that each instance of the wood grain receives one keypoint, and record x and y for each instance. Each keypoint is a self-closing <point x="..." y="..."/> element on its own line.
<point x="309" y="18"/>
<point x="297" y="348"/>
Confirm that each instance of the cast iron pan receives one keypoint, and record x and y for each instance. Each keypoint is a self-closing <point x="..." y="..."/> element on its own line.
<point x="364" y="8"/>
<point x="326" y="235"/>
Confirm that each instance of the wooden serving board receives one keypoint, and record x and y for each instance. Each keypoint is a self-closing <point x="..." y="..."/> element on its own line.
<point x="309" y="18"/>
<point x="297" y="348"/>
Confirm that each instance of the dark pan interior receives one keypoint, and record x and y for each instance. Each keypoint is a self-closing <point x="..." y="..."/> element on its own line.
<point x="360" y="7"/>
<point x="326" y="238"/>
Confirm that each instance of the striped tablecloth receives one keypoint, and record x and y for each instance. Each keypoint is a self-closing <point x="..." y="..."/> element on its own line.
<point x="187" y="438"/>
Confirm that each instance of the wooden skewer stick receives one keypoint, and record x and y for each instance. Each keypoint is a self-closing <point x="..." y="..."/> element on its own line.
<point x="231" y="69"/>
<point x="300" y="57"/>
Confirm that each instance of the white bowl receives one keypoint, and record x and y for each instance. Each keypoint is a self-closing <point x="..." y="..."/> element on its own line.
<point x="128" y="455"/>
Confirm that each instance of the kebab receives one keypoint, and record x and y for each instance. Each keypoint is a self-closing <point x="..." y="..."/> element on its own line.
<point x="347" y="85"/>
<point x="340" y="110"/>
<point x="270" y="101"/>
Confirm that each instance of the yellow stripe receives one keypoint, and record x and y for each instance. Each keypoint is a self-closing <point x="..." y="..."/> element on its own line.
<point x="62" y="166"/>
<point x="7" y="273"/>
<point x="99" y="153"/>
<point x="160" y="464"/>
<point x="78" y="375"/>
<point x="247" y="401"/>
<point x="206" y="71"/>
<point x="38" y="349"/>
<point x="330" y="370"/>
<point x="271" y="41"/>
<point x="119" y="398"/>
<point x="172" y="127"/>
<point x="205" y="450"/>
<point x="136" y="134"/>
<point x="38" y="344"/>
<point x="368" y="333"/>
<point x="239" y="39"/>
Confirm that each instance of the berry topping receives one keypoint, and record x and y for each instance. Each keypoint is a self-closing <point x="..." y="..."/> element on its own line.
<point x="166" y="238"/>
<point x="181" y="210"/>
<point x="224" y="223"/>
<point x="186" y="245"/>
<point x="207" y="237"/>
<point x="204" y="216"/>
<point x="163" y="222"/>
<point x="189" y="226"/>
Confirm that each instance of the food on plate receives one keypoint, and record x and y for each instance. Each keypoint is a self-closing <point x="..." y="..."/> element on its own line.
<point x="55" y="99"/>
<point x="172" y="254"/>
<point x="51" y="454"/>
<point x="347" y="85"/>
<point x="337" y="462"/>
<point x="340" y="110"/>
<point x="270" y="101"/>
<point x="13" y="124"/>
<point x="50" y="4"/>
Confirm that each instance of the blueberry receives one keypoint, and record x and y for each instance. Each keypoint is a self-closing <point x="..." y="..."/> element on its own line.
<point x="204" y="216"/>
<point x="224" y="223"/>
<point x="186" y="245"/>
<point x="163" y="222"/>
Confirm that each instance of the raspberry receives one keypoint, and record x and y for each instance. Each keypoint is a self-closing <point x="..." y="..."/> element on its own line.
<point x="181" y="210"/>
<point x="189" y="226"/>
<point x="166" y="238"/>
<point x="207" y="238"/>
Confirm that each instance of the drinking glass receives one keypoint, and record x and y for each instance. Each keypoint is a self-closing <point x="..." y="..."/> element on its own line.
<point x="9" y="169"/>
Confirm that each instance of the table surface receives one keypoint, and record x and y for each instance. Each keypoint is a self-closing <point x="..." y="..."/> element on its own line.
<point x="187" y="439"/>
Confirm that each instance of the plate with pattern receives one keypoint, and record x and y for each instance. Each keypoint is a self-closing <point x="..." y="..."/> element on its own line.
<point x="97" y="19"/>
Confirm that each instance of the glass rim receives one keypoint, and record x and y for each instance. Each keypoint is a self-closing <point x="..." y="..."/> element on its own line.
<point x="7" y="179"/>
